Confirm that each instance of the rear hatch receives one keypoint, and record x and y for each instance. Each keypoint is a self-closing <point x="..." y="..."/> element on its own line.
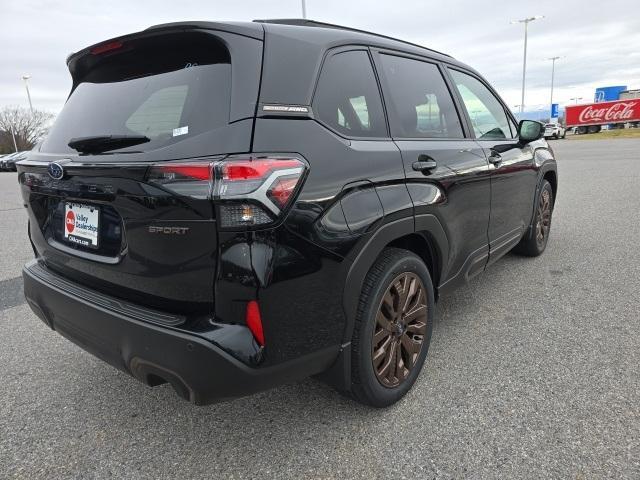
<point x="163" y="95"/>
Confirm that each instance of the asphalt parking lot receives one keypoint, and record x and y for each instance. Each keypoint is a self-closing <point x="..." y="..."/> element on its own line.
<point x="533" y="372"/>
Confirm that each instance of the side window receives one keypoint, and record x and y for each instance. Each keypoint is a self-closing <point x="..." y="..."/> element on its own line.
<point x="420" y="99"/>
<point x="347" y="98"/>
<point x="487" y="114"/>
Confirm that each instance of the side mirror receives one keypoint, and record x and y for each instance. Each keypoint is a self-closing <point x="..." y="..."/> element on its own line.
<point x="530" y="130"/>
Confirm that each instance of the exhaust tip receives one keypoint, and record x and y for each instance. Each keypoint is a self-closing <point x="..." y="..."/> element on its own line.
<point x="153" y="375"/>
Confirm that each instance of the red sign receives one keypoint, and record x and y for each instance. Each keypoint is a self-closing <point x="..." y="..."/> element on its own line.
<point x="602" y="113"/>
<point x="71" y="221"/>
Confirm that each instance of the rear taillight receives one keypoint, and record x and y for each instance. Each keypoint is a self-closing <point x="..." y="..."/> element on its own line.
<point x="182" y="178"/>
<point x="249" y="191"/>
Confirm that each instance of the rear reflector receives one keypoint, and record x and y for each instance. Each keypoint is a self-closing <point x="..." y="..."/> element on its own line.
<point x="254" y="321"/>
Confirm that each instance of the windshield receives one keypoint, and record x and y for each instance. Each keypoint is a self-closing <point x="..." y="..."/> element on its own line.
<point x="147" y="92"/>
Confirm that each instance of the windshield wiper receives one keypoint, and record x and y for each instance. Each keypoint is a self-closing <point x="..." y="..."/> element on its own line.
<point x="104" y="143"/>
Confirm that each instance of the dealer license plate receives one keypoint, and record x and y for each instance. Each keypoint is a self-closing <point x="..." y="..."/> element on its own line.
<point x="81" y="224"/>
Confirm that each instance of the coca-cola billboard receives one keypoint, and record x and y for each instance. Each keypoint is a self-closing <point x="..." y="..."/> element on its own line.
<point x="603" y="113"/>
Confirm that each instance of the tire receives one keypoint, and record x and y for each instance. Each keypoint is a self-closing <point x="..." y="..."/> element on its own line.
<point x="535" y="240"/>
<point x="373" y="384"/>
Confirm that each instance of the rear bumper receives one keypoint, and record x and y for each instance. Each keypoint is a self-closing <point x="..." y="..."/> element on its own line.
<point x="198" y="370"/>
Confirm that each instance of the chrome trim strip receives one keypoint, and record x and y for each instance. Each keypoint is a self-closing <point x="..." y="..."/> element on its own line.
<point x="86" y="255"/>
<point x="75" y="164"/>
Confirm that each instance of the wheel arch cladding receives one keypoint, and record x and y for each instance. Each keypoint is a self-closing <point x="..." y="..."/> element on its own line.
<point x="429" y="243"/>
<point x="423" y="246"/>
<point x="551" y="177"/>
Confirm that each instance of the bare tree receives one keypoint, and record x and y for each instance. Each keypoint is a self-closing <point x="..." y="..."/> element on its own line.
<point x="28" y="127"/>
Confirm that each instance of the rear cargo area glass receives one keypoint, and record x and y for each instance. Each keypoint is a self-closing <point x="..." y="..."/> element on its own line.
<point x="166" y="88"/>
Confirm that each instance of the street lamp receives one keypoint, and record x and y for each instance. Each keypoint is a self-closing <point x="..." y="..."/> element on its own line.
<point x="13" y="135"/>
<point x="26" y="85"/>
<point x="526" y="22"/>
<point x="553" y="70"/>
<point x="576" y="99"/>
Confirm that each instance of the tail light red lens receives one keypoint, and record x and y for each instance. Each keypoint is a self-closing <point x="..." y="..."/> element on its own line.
<point x="251" y="178"/>
<point x="188" y="179"/>
<point x="238" y="170"/>
<point x="250" y="191"/>
<point x="195" y="172"/>
<point x="281" y="190"/>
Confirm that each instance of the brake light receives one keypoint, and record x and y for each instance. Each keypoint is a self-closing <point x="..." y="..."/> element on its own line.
<point x="236" y="170"/>
<point x="249" y="191"/>
<point x="106" y="47"/>
<point x="281" y="190"/>
<point x="195" y="172"/>
<point x="188" y="179"/>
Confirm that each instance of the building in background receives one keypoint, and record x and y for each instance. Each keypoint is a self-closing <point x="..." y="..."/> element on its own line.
<point x="630" y="94"/>
<point x="608" y="94"/>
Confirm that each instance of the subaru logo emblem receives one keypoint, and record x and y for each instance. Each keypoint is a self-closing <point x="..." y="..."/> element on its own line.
<point x="55" y="171"/>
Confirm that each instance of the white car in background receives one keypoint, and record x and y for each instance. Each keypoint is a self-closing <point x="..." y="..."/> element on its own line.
<point x="554" y="130"/>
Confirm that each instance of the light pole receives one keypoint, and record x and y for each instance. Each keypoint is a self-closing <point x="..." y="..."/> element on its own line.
<point x="553" y="71"/>
<point x="15" y="145"/>
<point x="304" y="9"/>
<point x="526" y="22"/>
<point x="26" y="85"/>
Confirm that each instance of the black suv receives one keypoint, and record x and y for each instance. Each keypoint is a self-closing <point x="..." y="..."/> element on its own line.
<point x="230" y="206"/>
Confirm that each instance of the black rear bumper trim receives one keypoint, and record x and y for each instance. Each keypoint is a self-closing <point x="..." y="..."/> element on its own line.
<point x="110" y="303"/>
<point x="199" y="370"/>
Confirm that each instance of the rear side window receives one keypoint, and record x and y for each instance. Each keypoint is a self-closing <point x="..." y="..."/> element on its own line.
<point x="167" y="88"/>
<point x="347" y="98"/>
<point x="488" y="117"/>
<point x="421" y="103"/>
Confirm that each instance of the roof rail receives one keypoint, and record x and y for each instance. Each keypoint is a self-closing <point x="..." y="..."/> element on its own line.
<point x="301" y="22"/>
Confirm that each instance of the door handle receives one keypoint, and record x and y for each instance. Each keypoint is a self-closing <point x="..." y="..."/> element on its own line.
<point x="495" y="157"/>
<point x="424" y="164"/>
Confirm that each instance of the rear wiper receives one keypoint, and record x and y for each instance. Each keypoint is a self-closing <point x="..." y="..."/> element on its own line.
<point x="104" y="143"/>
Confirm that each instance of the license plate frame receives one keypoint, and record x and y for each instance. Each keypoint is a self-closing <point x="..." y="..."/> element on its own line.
<point x="81" y="225"/>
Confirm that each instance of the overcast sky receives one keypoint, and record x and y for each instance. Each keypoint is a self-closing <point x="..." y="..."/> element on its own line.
<point x="600" y="41"/>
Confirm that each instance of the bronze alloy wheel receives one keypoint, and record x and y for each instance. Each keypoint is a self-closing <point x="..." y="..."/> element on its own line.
<point x="401" y="324"/>
<point x="543" y="220"/>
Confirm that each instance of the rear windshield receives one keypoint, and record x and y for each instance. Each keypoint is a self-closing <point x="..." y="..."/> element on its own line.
<point x="166" y="88"/>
